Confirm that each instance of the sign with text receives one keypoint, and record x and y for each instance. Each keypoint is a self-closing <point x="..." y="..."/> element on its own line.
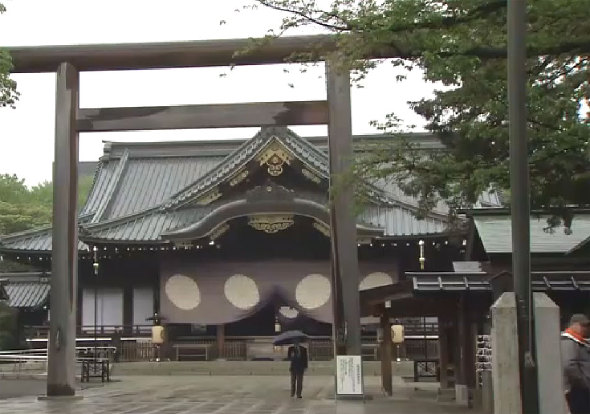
<point x="349" y="375"/>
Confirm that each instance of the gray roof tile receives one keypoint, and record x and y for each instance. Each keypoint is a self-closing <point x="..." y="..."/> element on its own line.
<point x="27" y="294"/>
<point x="148" y="182"/>
<point x="32" y="240"/>
<point x="495" y="232"/>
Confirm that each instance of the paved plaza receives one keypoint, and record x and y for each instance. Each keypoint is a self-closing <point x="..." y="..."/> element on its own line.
<point x="226" y="395"/>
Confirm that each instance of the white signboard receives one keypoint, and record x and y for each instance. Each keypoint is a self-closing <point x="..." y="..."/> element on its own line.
<point x="349" y="375"/>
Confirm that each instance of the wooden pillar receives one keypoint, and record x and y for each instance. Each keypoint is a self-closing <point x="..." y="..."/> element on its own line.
<point x="220" y="341"/>
<point x="64" y="270"/>
<point x="443" y="351"/>
<point x="128" y="316"/>
<point x="461" y="389"/>
<point x="344" y="254"/>
<point x="386" y="354"/>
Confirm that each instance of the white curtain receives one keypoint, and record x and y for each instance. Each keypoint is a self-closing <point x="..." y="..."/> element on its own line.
<point x="143" y="306"/>
<point x="109" y="303"/>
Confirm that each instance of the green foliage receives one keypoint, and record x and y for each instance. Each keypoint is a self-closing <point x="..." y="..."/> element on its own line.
<point x="18" y="209"/>
<point x="84" y="187"/>
<point x="22" y="208"/>
<point x="461" y="44"/>
<point x="8" y="93"/>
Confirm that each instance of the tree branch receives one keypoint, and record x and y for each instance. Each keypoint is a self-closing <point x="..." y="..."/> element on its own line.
<point x="578" y="47"/>
<point x="306" y="16"/>
<point x="454" y="20"/>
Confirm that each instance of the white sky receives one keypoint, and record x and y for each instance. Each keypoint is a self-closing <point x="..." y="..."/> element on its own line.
<point x="27" y="132"/>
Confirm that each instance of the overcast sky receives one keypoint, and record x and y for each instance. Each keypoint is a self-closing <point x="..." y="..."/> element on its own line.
<point x="27" y="132"/>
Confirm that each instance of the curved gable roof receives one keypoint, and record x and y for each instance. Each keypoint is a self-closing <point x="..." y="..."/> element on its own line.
<point x="303" y="150"/>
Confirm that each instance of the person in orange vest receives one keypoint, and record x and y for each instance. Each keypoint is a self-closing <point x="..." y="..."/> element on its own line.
<point x="575" y="356"/>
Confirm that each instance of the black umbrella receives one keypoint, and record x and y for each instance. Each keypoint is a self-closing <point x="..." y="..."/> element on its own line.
<point x="290" y="337"/>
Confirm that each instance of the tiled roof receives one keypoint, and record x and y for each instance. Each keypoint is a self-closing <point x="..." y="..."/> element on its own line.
<point x="481" y="282"/>
<point x="148" y="182"/>
<point x="400" y="221"/>
<point x="26" y="290"/>
<point x="142" y="183"/>
<point x="146" y="227"/>
<point x="495" y="232"/>
<point x="31" y="241"/>
<point x="142" y="190"/>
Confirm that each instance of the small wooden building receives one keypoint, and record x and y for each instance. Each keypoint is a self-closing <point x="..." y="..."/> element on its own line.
<point x="461" y="298"/>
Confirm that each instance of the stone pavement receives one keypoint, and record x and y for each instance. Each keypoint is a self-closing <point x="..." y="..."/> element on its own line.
<point x="231" y="395"/>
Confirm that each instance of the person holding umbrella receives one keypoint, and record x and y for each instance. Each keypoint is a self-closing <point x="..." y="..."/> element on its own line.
<point x="297" y="356"/>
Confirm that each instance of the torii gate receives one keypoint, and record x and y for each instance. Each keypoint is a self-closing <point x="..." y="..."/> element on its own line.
<point x="70" y="120"/>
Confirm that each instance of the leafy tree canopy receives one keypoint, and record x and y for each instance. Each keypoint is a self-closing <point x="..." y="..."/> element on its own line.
<point x="22" y="208"/>
<point x="8" y="93"/>
<point x="461" y="44"/>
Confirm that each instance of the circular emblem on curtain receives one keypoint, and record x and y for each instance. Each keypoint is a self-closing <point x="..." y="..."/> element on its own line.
<point x="241" y="291"/>
<point x="313" y="291"/>
<point x="288" y="312"/>
<point x="183" y="292"/>
<point x="376" y="279"/>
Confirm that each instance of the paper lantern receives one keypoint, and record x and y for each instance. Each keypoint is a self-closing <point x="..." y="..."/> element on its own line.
<point x="157" y="334"/>
<point x="397" y="334"/>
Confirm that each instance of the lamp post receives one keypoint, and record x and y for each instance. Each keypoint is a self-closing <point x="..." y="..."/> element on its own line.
<point x="95" y="266"/>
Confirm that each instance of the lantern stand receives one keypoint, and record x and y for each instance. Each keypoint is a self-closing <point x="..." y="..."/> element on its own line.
<point x="95" y="266"/>
<point x="277" y="348"/>
<point x="157" y="334"/>
<point x="397" y="337"/>
<point x="421" y="259"/>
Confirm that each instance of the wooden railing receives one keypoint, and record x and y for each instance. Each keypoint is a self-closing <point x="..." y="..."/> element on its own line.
<point x="321" y="350"/>
<point x="418" y="345"/>
<point x="137" y="351"/>
<point x="234" y="351"/>
<point x="42" y="331"/>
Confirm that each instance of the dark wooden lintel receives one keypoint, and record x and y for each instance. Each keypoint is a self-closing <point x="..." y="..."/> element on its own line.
<point x="199" y="53"/>
<point x="203" y="116"/>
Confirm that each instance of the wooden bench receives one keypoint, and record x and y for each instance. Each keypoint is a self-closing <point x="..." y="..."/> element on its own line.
<point x="194" y="351"/>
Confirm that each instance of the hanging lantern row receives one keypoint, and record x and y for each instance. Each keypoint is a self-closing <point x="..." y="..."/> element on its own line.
<point x="407" y="244"/>
<point x="108" y="253"/>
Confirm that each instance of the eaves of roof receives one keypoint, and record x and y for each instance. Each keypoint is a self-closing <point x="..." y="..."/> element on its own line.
<point x="34" y="241"/>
